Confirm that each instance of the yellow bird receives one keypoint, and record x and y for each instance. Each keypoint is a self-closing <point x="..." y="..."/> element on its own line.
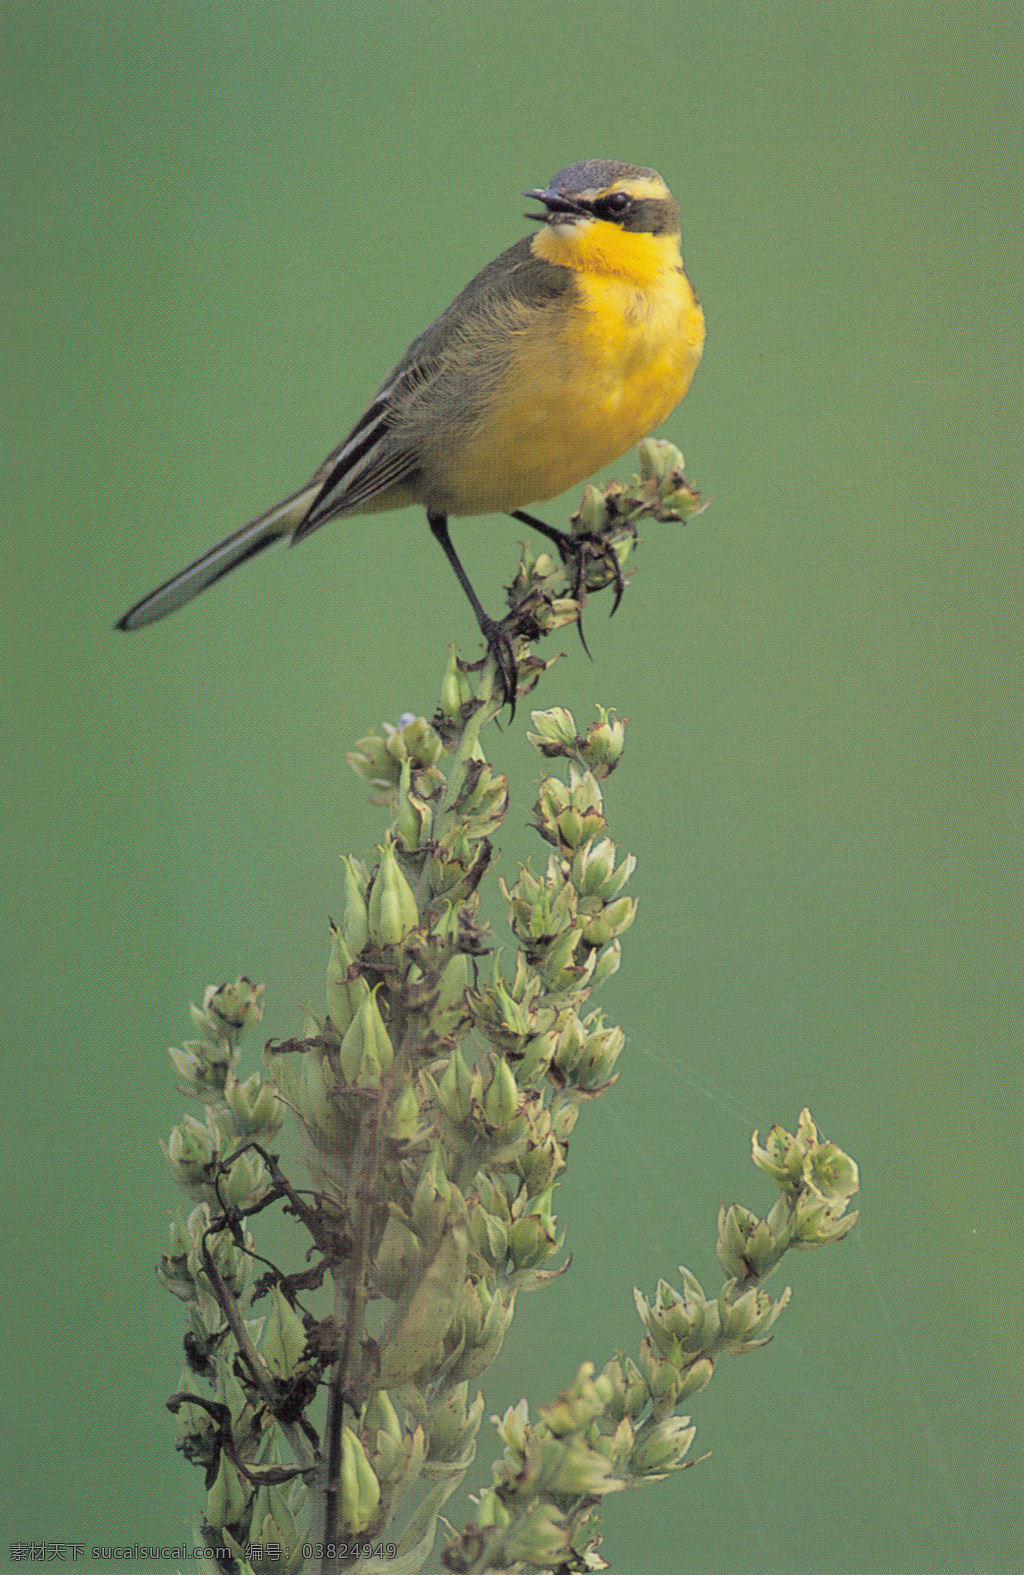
<point x="561" y="354"/>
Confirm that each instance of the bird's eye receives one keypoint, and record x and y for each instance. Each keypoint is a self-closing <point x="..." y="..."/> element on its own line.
<point x="614" y="204"/>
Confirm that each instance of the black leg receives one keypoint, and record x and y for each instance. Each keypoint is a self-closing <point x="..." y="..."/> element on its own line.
<point x="498" y="643"/>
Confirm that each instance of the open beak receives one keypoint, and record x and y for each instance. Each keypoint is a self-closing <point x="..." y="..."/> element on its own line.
<point x="558" y="205"/>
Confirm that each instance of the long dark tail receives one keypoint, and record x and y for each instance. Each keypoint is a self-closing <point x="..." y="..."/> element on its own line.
<point x="237" y="548"/>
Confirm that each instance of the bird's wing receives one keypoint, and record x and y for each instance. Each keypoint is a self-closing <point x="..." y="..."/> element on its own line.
<point x="373" y="459"/>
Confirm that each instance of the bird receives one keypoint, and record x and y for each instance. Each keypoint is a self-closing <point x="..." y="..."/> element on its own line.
<point x="561" y="354"/>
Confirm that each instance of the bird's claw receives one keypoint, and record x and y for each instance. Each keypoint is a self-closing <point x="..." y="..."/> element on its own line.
<point x="501" y="652"/>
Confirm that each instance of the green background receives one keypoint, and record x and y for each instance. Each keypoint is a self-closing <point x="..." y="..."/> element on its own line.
<point x="221" y="224"/>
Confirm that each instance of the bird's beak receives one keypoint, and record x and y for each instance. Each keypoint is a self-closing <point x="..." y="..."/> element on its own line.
<point x="559" y="207"/>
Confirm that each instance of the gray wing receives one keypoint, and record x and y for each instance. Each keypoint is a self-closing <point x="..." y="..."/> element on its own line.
<point x="376" y="456"/>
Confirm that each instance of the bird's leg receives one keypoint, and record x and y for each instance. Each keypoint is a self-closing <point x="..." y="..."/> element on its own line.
<point x="498" y="643"/>
<point x="573" y="550"/>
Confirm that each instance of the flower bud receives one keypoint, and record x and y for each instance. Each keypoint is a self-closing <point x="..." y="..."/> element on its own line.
<point x="532" y="1238"/>
<point x="660" y="1446"/>
<point x="830" y="1174"/>
<point x="483" y="802"/>
<point x="404" y="1119"/>
<point x="366" y="1050"/>
<point x="234" y="1006"/>
<point x="745" y="1320"/>
<point x="501" y="1097"/>
<point x="255" y="1108"/>
<point x="592" y="515"/>
<point x="556" y="732"/>
<point x="453" y="1425"/>
<point x="432" y="1200"/>
<point x="411" y="1338"/>
<point x="605" y="964"/>
<point x="746" y="1246"/>
<point x="360" y="1490"/>
<point x="490" y="1511"/>
<point x="455" y="1090"/>
<point x="601" y="748"/>
<point x="227" y="1500"/>
<point x="414" y="818"/>
<point x="284" y="1342"/>
<point x="455" y="687"/>
<point x="392" y="910"/>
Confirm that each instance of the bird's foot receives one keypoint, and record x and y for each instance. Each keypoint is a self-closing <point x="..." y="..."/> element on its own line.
<point x="502" y="653"/>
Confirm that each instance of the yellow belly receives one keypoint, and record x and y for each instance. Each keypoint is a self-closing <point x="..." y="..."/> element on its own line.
<point x="601" y="375"/>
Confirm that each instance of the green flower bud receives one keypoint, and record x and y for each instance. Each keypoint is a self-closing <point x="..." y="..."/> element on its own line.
<point x="454" y="1424"/>
<point x="455" y="1089"/>
<point x="532" y="1238"/>
<point x="355" y="930"/>
<point x="398" y="1261"/>
<point x="557" y="963"/>
<point x="192" y="1151"/>
<point x="432" y="1200"/>
<point x="579" y="1404"/>
<point x="590" y="1062"/>
<point x="285" y="1341"/>
<point x="556" y="732"/>
<point x="507" y="1022"/>
<point x="610" y="921"/>
<point x="658" y="459"/>
<point x="227" y="1500"/>
<point x="569" y="815"/>
<point x="234" y="1006"/>
<point x="492" y="1196"/>
<point x="379" y="1415"/>
<point x="489" y="1235"/>
<point x="660" y="1446"/>
<point x="232" y="1263"/>
<point x="661" y="1376"/>
<point x="818" y="1224"/>
<point x="746" y="1247"/>
<point x="405" y="1118"/>
<point x="490" y="1511"/>
<point x="540" y="1537"/>
<point x="412" y="1336"/>
<point x="679" y="1322"/>
<point x="372" y="760"/>
<point x="830" y="1174"/>
<point x="746" y="1320"/>
<point x="605" y="964"/>
<point x="601" y="748"/>
<point x="360" y="1490"/>
<point x="782" y="1156"/>
<point x="592" y="516"/>
<point x="414" y="818"/>
<point x="246" y="1181"/>
<point x="366" y="1051"/>
<point x="696" y="1376"/>
<point x="501" y="1097"/>
<point x="483" y="802"/>
<point x="276" y="1533"/>
<point x="255" y="1108"/>
<point x="563" y="1120"/>
<point x="514" y="1429"/>
<point x="392" y="911"/>
<point x="455" y="687"/>
<point x="340" y="1006"/>
<point x="568" y="1469"/>
<point x="593" y="869"/>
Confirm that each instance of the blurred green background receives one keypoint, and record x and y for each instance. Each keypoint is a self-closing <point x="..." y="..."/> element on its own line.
<point x="221" y="225"/>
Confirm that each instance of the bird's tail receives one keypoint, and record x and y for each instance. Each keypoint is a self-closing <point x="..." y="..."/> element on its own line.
<point x="237" y="548"/>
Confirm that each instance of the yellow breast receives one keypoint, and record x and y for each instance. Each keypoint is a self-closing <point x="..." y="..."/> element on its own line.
<point x="588" y="377"/>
